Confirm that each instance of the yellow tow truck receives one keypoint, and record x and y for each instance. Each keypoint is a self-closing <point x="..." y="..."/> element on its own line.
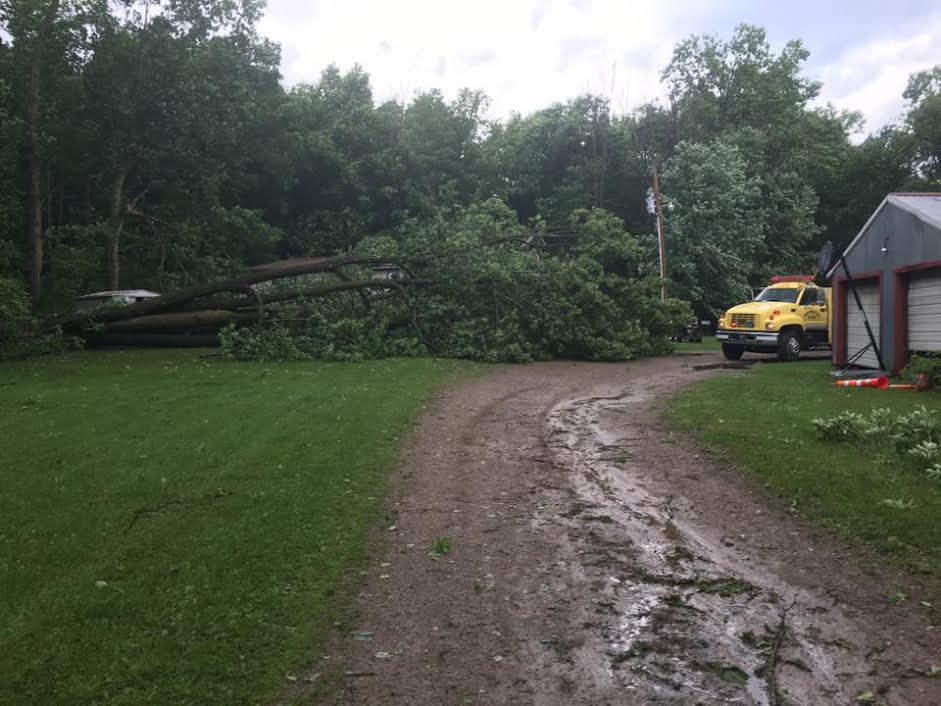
<point x="790" y="315"/>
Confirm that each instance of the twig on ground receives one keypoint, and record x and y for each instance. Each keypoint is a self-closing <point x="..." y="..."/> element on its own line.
<point x="170" y="502"/>
<point x="771" y="663"/>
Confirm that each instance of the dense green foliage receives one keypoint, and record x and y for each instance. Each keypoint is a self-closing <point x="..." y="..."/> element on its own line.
<point x="715" y="235"/>
<point x="168" y="152"/>
<point x="176" y="529"/>
<point x="878" y="494"/>
<point x="17" y="337"/>
<point x="492" y="291"/>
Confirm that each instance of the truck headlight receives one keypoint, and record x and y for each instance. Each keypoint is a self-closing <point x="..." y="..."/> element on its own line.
<point x="769" y="325"/>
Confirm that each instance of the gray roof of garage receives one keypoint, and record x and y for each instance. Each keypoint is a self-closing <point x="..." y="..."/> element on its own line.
<point x="926" y="206"/>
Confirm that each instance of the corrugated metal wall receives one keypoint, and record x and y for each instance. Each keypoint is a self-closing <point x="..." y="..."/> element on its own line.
<point x="924" y="312"/>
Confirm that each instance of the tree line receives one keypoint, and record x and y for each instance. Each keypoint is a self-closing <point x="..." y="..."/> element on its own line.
<point x="151" y="143"/>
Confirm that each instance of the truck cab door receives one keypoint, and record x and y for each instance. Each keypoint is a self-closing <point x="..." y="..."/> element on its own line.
<point x="814" y="311"/>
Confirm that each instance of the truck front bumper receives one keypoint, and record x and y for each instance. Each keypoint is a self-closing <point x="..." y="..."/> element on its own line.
<point x="747" y="338"/>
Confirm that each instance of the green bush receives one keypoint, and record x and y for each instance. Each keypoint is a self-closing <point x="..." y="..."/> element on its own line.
<point x="927" y="364"/>
<point x="15" y="313"/>
<point x="18" y="338"/>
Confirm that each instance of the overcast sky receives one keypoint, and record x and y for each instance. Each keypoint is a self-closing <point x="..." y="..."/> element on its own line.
<point x="526" y="54"/>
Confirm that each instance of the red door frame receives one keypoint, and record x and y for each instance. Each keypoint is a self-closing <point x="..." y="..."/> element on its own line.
<point x="900" y="326"/>
<point x="840" y="294"/>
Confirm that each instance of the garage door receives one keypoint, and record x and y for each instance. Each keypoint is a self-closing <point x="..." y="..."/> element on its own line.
<point x="856" y="337"/>
<point x="924" y="313"/>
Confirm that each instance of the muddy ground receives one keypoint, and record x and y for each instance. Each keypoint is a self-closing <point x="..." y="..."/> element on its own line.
<point x="597" y="559"/>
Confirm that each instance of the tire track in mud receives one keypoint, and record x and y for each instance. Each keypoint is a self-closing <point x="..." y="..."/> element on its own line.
<point x="598" y="560"/>
<point x="688" y="618"/>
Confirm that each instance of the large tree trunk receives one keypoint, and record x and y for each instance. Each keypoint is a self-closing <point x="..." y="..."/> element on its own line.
<point x="154" y="340"/>
<point x="182" y="297"/>
<point x="115" y="226"/>
<point x="310" y="292"/>
<point x="34" y="155"/>
<point x="182" y="321"/>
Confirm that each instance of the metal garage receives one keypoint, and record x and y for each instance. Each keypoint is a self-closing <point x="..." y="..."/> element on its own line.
<point x="895" y="262"/>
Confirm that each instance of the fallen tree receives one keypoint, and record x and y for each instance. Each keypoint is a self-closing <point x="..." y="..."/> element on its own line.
<point x="479" y="287"/>
<point x="188" y="297"/>
<point x="316" y="290"/>
<point x="181" y="321"/>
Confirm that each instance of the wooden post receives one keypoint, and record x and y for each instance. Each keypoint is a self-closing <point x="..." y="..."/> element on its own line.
<point x="663" y="248"/>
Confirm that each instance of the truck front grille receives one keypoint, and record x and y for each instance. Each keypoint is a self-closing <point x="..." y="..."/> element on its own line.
<point x="743" y="320"/>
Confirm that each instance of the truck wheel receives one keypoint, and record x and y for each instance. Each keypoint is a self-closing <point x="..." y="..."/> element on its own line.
<point x="732" y="352"/>
<point x="789" y="346"/>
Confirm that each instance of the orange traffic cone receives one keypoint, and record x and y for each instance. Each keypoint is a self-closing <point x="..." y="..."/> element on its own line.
<point x="882" y="382"/>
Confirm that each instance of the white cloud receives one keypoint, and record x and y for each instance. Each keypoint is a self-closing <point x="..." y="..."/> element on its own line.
<point x="871" y="77"/>
<point x="524" y="55"/>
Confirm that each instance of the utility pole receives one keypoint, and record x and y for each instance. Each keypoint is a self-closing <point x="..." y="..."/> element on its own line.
<point x="663" y="247"/>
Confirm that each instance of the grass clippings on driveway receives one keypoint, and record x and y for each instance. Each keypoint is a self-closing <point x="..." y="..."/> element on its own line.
<point x="172" y="528"/>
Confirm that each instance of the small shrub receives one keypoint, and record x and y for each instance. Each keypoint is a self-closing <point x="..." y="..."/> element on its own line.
<point x="927" y="364"/>
<point x="928" y="451"/>
<point x="441" y="546"/>
<point x="916" y="434"/>
<point x="919" y="425"/>
<point x="842" y="427"/>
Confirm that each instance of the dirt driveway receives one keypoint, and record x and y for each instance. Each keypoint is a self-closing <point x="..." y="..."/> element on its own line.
<point x="596" y="559"/>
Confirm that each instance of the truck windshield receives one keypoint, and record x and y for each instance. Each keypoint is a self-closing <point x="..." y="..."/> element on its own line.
<point x="789" y="296"/>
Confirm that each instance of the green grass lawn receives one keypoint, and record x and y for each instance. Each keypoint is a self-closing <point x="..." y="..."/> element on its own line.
<point x="709" y="343"/>
<point x="173" y="529"/>
<point x="761" y="420"/>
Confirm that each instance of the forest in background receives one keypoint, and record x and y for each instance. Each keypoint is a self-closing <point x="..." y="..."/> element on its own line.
<point x="151" y="144"/>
